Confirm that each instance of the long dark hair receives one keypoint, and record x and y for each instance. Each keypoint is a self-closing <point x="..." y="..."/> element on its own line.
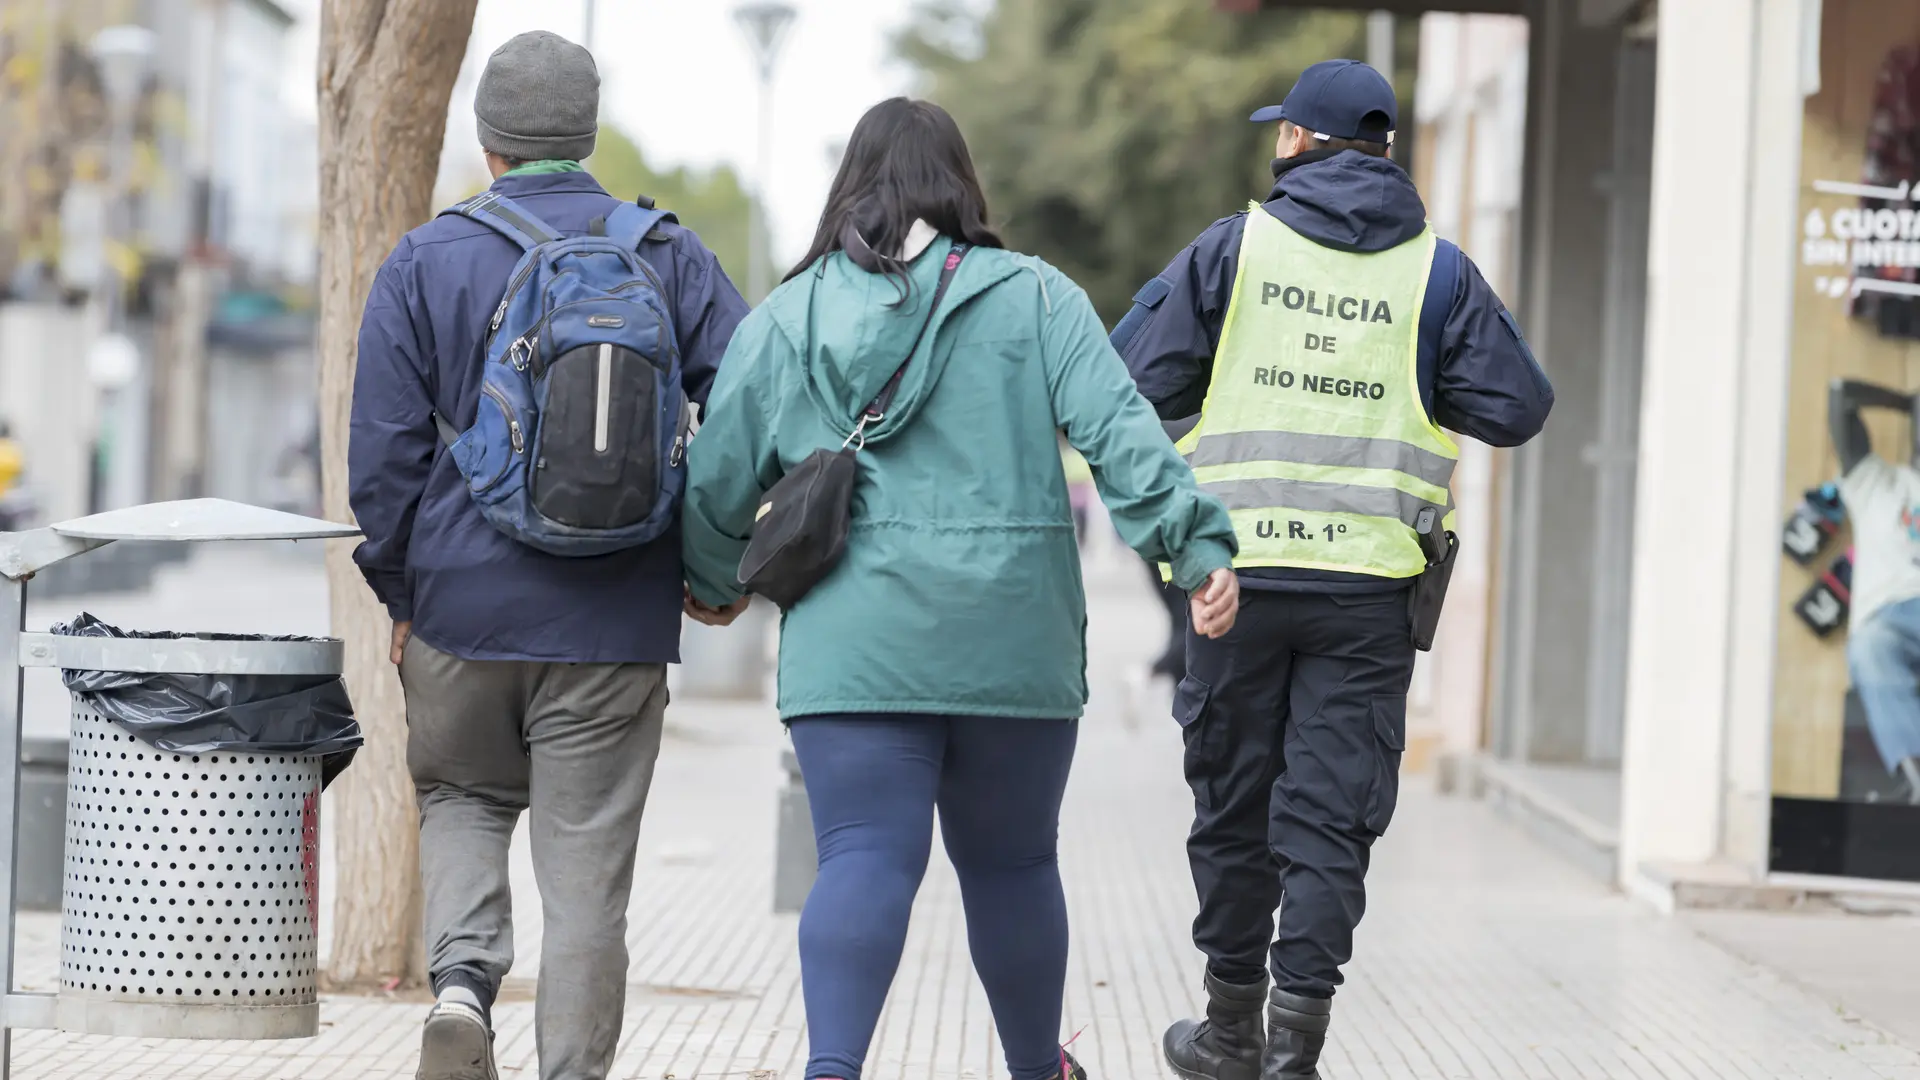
<point x="906" y="160"/>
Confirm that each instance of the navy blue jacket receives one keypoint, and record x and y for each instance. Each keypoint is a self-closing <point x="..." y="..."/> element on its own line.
<point x="429" y="555"/>
<point x="1476" y="374"/>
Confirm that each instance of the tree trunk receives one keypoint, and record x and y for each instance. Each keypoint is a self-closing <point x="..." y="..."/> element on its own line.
<point x="386" y="68"/>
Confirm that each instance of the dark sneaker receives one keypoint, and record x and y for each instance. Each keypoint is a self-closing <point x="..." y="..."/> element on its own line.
<point x="456" y="1045"/>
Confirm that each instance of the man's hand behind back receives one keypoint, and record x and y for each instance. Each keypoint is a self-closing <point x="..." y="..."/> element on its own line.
<point x="714" y="616"/>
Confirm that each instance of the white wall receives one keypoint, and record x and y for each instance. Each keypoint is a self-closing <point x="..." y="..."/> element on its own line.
<point x="1705" y="563"/>
<point x="263" y="156"/>
<point x="1471" y="106"/>
<point x="1766" y="358"/>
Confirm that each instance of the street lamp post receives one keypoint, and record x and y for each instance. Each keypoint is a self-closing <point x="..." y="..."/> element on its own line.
<point x="587" y="18"/>
<point x="123" y="56"/>
<point x="766" y="26"/>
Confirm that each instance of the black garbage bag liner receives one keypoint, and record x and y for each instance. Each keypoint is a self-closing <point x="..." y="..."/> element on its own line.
<point x="307" y="715"/>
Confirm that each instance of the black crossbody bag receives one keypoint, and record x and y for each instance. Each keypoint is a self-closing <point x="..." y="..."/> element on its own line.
<point x="800" y="528"/>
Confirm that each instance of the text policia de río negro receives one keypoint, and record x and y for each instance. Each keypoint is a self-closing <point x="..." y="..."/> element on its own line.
<point x="1333" y="307"/>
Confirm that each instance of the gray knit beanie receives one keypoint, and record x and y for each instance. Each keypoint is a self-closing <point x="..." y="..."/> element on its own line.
<point x="539" y="99"/>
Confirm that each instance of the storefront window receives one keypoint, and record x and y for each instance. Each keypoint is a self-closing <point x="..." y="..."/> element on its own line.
<point x="1846" y="723"/>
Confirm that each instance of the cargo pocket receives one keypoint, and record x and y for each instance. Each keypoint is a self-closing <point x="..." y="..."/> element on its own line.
<point x="1389" y="717"/>
<point x="1202" y="762"/>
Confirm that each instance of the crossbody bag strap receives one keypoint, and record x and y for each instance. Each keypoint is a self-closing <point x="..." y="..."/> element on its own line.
<point x="876" y="409"/>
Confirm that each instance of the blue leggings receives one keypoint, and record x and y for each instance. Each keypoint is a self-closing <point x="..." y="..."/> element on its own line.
<point x="873" y="783"/>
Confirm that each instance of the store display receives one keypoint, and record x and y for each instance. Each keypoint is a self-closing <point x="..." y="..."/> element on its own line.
<point x="1823" y="607"/>
<point x="1814" y="522"/>
<point x="1892" y="160"/>
<point x="1845" y="736"/>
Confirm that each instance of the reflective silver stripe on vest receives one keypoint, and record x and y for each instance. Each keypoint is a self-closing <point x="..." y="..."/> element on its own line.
<point x="1351" y="451"/>
<point x="1313" y="496"/>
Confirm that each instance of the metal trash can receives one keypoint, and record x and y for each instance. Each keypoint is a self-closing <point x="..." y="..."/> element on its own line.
<point x="43" y="816"/>
<point x="192" y="890"/>
<point x="190" y="883"/>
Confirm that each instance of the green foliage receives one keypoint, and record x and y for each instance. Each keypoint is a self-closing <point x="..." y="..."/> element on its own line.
<point x="1109" y="133"/>
<point x="712" y="203"/>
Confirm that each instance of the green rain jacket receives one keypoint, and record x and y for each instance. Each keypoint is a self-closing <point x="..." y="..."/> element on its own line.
<point x="960" y="592"/>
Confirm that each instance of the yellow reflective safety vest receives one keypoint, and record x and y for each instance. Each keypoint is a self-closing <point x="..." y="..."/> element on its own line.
<point x="1313" y="432"/>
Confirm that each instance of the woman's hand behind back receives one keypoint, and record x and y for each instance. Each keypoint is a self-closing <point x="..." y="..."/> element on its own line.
<point x="1216" y="604"/>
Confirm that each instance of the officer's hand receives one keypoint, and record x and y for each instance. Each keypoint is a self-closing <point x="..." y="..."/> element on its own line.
<point x="1216" y="604"/>
<point x="401" y="632"/>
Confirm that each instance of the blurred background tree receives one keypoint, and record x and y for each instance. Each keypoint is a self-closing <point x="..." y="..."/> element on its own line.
<point x="711" y="202"/>
<point x="55" y="130"/>
<point x="1109" y="133"/>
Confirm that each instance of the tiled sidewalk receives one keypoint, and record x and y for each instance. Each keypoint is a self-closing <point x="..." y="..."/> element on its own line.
<point x="1481" y="956"/>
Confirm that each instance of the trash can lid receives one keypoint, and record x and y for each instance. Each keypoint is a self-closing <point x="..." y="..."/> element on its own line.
<point x="43" y="750"/>
<point x="201" y="519"/>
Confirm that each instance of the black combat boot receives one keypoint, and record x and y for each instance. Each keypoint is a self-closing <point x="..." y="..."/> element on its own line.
<point x="1296" y="1030"/>
<point x="1224" y="1046"/>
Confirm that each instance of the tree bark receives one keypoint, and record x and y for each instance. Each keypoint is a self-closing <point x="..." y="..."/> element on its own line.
<point x="387" y="68"/>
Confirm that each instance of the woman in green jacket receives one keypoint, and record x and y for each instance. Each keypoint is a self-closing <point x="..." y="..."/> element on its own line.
<point x="942" y="663"/>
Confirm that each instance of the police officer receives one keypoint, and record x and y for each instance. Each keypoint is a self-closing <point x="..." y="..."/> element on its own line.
<point x="1327" y="340"/>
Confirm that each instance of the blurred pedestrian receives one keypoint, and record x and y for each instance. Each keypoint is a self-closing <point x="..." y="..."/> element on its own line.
<point x="18" y="507"/>
<point x="1171" y="664"/>
<point x="1326" y="338"/>
<point x="941" y="665"/>
<point x="1080" y="492"/>
<point x="12" y="461"/>
<point x="533" y="680"/>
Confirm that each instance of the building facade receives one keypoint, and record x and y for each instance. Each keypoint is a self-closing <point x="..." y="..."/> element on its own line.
<point x="1704" y="214"/>
<point x="218" y="203"/>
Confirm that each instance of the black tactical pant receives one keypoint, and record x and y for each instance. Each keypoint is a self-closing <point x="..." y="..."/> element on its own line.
<point x="1294" y="726"/>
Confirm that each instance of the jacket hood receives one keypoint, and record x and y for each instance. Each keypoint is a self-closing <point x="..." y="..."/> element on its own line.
<point x="851" y="330"/>
<point x="1348" y="201"/>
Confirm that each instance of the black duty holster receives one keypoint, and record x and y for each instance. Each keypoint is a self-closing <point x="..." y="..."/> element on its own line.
<point x="1429" y="595"/>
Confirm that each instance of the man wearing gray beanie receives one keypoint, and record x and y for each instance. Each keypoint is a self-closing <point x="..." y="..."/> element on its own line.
<point x="534" y="682"/>
<point x="539" y="100"/>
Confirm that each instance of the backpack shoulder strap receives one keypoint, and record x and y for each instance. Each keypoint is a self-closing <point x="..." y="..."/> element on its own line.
<point x="630" y="223"/>
<point x="506" y="217"/>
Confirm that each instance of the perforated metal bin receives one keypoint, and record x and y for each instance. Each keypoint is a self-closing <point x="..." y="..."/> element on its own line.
<point x="190" y="886"/>
<point x="191" y="893"/>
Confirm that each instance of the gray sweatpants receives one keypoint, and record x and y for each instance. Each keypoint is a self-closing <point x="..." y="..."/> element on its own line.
<point x="576" y="743"/>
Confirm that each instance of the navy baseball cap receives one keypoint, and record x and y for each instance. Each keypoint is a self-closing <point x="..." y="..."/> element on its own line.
<point x="1339" y="99"/>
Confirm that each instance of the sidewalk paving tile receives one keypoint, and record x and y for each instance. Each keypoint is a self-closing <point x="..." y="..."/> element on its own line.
<point x="1482" y="956"/>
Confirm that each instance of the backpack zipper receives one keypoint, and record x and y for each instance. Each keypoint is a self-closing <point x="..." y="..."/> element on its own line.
<point x="679" y="451"/>
<point x="514" y="433"/>
<point x="531" y="356"/>
<point x="513" y="286"/>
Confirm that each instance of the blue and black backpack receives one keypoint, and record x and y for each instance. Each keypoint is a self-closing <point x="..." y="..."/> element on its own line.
<point x="578" y="443"/>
